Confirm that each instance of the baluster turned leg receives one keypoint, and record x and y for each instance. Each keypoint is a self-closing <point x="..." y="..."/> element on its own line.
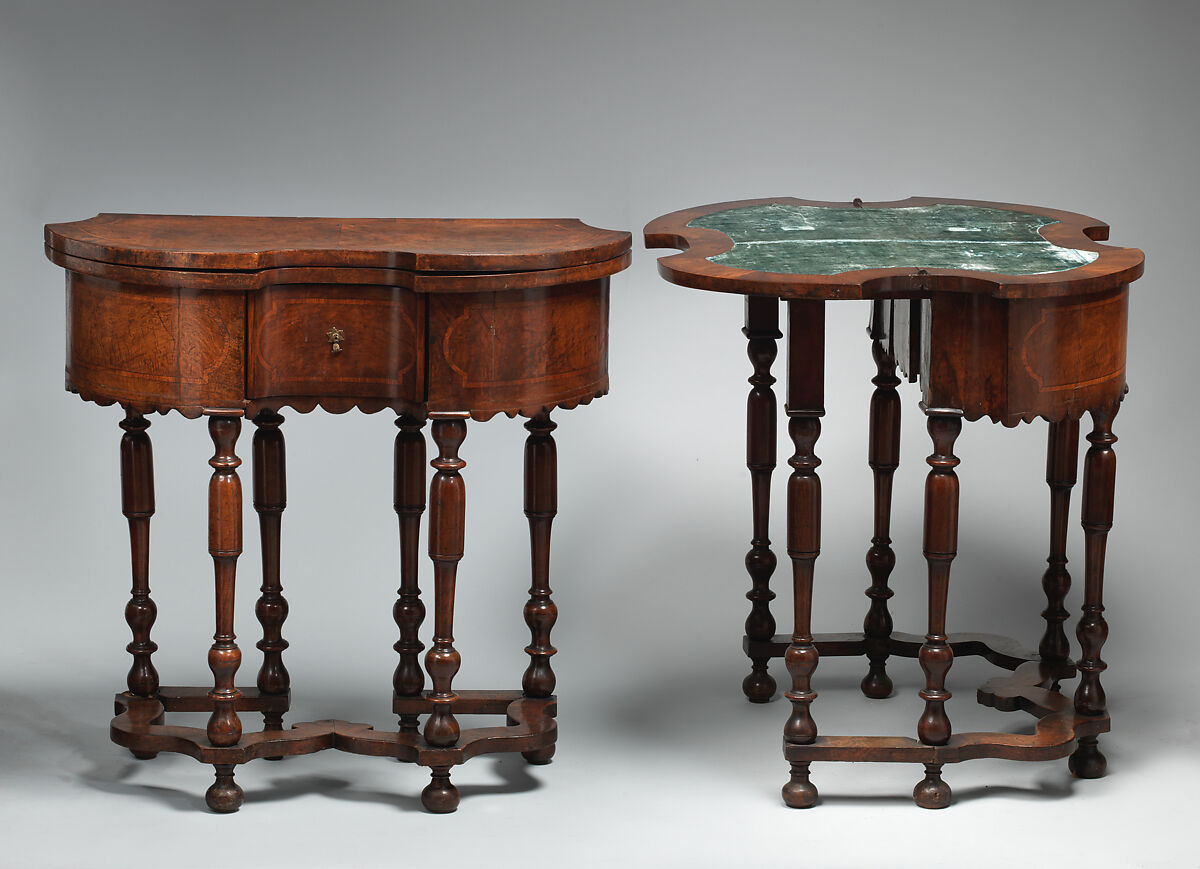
<point x="1062" y="462"/>
<point x="883" y="455"/>
<point x="224" y="658"/>
<point x="805" y="407"/>
<point x="761" y="331"/>
<point x="1099" y="481"/>
<point x="541" y="506"/>
<point x="447" y="503"/>
<point x="270" y="499"/>
<point x="409" y="611"/>
<point x="137" y="503"/>
<point x="941" y="545"/>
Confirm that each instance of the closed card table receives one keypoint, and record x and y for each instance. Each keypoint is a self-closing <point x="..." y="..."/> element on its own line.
<point x="239" y="317"/>
<point x="1000" y="311"/>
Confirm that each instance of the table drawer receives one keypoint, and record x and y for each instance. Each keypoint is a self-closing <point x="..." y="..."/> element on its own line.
<point x="316" y="340"/>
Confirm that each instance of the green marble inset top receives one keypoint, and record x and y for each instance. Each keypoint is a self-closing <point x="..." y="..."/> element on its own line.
<point x="817" y="240"/>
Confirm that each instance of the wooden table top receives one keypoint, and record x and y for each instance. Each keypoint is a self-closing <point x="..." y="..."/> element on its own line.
<point x="174" y="241"/>
<point x="794" y="248"/>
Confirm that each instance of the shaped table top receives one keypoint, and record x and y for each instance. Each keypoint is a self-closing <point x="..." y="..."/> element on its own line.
<point x="204" y="242"/>
<point x="795" y="248"/>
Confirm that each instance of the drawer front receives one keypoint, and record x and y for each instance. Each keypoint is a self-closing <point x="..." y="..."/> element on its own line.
<point x="345" y="341"/>
<point x="518" y="350"/>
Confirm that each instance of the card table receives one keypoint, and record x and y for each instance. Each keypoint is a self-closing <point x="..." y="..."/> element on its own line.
<point x="235" y="318"/>
<point x="1002" y="311"/>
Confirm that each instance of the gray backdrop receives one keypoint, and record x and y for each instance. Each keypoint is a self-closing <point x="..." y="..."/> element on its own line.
<point x="614" y="112"/>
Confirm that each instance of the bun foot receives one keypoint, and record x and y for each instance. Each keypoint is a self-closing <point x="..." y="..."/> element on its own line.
<point x="143" y="755"/>
<point x="540" y="756"/>
<point x="931" y="792"/>
<point x="759" y="686"/>
<point x="440" y="796"/>
<point x="225" y="795"/>
<point x="876" y="685"/>
<point x="1087" y="761"/>
<point x="800" y="793"/>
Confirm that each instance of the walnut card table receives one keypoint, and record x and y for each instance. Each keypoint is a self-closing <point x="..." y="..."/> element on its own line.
<point x="1000" y="311"/>
<point x="238" y="317"/>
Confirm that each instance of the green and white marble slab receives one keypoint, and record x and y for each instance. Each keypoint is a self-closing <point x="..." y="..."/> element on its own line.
<point x="815" y="240"/>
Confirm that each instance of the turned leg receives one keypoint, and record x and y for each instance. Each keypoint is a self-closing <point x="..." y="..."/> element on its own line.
<point x="408" y="611"/>
<point x="940" y="547"/>
<point x="137" y="503"/>
<point x="883" y="455"/>
<point x="224" y="545"/>
<point x="270" y="499"/>
<point x="541" y="505"/>
<point x="761" y="331"/>
<point x="1099" y="479"/>
<point x="1062" y="461"/>
<point x="805" y="407"/>
<point x="447" y="503"/>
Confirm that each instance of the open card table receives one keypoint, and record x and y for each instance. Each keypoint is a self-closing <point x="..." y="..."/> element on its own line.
<point x="1002" y="311"/>
<point x="232" y="317"/>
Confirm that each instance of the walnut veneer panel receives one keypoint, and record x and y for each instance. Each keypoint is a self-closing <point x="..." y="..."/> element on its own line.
<point x="157" y="347"/>
<point x="493" y="352"/>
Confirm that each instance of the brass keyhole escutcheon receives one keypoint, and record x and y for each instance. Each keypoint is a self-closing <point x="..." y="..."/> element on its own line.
<point x="336" y="338"/>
